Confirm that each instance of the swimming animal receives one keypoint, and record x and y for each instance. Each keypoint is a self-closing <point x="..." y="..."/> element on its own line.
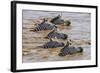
<point x="58" y="21"/>
<point x="69" y="50"/>
<point x="44" y="26"/>
<point x="57" y="35"/>
<point x="52" y="44"/>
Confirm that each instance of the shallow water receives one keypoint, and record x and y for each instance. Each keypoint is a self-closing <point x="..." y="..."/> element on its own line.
<point x="79" y="32"/>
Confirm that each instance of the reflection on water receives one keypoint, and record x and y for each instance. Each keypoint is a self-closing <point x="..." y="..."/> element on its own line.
<point x="79" y="32"/>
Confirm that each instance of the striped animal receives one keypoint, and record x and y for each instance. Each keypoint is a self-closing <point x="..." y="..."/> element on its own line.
<point x="58" y="21"/>
<point x="70" y="50"/>
<point x="54" y="34"/>
<point x="52" y="44"/>
<point x="44" y="26"/>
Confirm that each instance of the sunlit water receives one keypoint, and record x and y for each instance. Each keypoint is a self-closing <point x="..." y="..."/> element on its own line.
<point x="79" y="32"/>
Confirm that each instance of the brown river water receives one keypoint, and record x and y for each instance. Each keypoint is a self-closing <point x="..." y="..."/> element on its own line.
<point x="79" y="32"/>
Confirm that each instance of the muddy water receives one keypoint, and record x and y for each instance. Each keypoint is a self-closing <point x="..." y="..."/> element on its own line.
<point x="78" y="32"/>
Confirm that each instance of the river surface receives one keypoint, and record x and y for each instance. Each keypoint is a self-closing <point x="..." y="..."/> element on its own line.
<point x="79" y="32"/>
